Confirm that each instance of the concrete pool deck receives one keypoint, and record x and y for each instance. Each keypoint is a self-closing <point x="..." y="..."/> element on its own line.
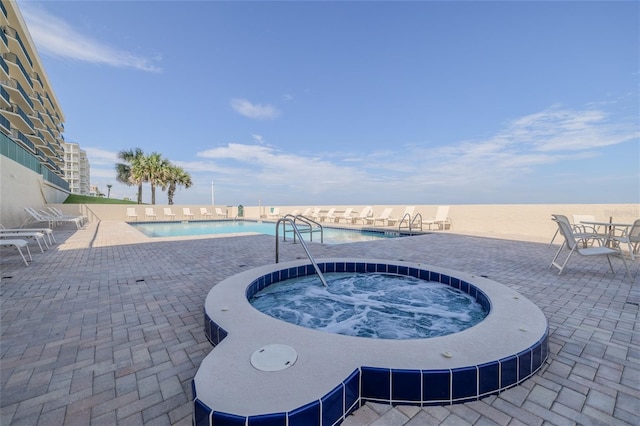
<point x="106" y="327"/>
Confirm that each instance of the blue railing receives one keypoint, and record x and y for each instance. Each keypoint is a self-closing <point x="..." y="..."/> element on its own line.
<point x="4" y="65"/>
<point x="4" y="121"/>
<point x="4" y="38"/>
<point x="22" y="114"/>
<point x="17" y="134"/>
<point x="4" y="94"/>
<point x="24" y="93"/>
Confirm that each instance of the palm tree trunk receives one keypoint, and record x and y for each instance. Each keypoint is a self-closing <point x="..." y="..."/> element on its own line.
<point x="153" y="194"/>
<point x="140" y="193"/>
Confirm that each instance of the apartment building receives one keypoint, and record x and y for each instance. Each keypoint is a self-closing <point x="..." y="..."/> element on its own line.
<point x="76" y="169"/>
<point x="31" y="123"/>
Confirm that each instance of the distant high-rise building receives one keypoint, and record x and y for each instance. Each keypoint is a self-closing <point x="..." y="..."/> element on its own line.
<point x="76" y="169"/>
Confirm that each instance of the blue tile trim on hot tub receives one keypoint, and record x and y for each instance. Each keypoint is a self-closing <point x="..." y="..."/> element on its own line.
<point x="385" y="385"/>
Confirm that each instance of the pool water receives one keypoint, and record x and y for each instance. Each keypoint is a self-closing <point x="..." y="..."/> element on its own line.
<point x="181" y="229"/>
<point x="381" y="306"/>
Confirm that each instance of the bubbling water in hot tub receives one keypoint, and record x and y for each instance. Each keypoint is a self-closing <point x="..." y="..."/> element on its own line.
<point x="373" y="305"/>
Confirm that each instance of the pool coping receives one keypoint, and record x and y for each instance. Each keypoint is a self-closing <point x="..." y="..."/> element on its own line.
<point x="227" y="386"/>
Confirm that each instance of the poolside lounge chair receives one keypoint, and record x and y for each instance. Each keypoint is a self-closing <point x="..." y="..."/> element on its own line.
<point x="441" y="219"/>
<point x="149" y="213"/>
<point x="315" y="214"/>
<point x="36" y="236"/>
<point x="186" y="213"/>
<point x="205" y="213"/>
<point x="168" y="213"/>
<point x="588" y="238"/>
<point x="47" y="231"/>
<point x="329" y="216"/>
<point x="306" y="212"/>
<point x="573" y="243"/>
<point x="347" y="216"/>
<point x="364" y="215"/>
<point x="221" y="213"/>
<point x="56" y="212"/>
<point x="18" y="244"/>
<point x="131" y="213"/>
<point x="384" y="218"/>
<point x="42" y="216"/>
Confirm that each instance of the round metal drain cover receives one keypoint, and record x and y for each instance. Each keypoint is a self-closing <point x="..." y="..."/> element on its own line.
<point x="274" y="357"/>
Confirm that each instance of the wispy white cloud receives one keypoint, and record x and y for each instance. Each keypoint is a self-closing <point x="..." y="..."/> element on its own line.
<point x="57" y="38"/>
<point x="256" y="111"/>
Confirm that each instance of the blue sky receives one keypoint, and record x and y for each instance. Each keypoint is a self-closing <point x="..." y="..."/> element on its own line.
<point x="338" y="103"/>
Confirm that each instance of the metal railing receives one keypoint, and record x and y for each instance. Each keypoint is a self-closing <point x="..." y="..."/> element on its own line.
<point x="306" y="221"/>
<point x="304" y="245"/>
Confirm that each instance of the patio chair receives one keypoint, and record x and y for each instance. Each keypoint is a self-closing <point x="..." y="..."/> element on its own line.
<point x="631" y="237"/>
<point x="37" y="217"/>
<point x="329" y="216"/>
<point x="38" y="237"/>
<point x="56" y="212"/>
<point x="186" y="213"/>
<point x="588" y="238"/>
<point x="364" y="215"/>
<point x="168" y="213"/>
<point x="441" y="219"/>
<point x="221" y="213"/>
<point x="131" y="213"/>
<point x="47" y="231"/>
<point x="573" y="244"/>
<point x="19" y="245"/>
<point x="149" y="213"/>
<point x="205" y="213"/>
<point x="347" y="216"/>
<point x="385" y="217"/>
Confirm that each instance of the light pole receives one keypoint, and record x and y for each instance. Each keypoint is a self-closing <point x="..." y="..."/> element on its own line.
<point x="212" y="196"/>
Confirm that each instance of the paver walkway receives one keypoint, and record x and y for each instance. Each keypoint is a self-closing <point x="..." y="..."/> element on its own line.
<point x="106" y="327"/>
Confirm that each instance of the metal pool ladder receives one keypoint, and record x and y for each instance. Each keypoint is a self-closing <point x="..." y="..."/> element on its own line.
<point x="304" y="245"/>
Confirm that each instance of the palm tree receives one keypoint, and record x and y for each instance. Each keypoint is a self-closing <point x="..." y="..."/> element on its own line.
<point x="131" y="171"/>
<point x="175" y="176"/>
<point x="109" y="186"/>
<point x="155" y="172"/>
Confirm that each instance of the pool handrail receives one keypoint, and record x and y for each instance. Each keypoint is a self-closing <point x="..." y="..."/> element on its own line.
<point x="413" y="220"/>
<point x="304" y="245"/>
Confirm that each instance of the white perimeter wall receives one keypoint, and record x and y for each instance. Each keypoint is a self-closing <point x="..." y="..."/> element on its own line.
<point x="527" y="222"/>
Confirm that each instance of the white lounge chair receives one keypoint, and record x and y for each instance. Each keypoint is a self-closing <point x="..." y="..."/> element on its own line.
<point x="19" y="245"/>
<point x="186" y="213"/>
<point x="168" y="214"/>
<point x="329" y="216"/>
<point x="205" y="213"/>
<point x="47" y="231"/>
<point x="384" y="218"/>
<point x="441" y="219"/>
<point x="587" y="238"/>
<point x="38" y="237"/>
<point x="56" y="212"/>
<point x="131" y="213"/>
<point x="364" y="215"/>
<point x="149" y="213"/>
<point x="573" y="244"/>
<point x="221" y="213"/>
<point x="347" y="216"/>
<point x="37" y="217"/>
<point x="306" y="212"/>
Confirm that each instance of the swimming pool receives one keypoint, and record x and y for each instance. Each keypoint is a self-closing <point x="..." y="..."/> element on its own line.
<point x="219" y="227"/>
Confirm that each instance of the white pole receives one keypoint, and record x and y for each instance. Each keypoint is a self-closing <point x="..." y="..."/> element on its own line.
<point x="212" y="199"/>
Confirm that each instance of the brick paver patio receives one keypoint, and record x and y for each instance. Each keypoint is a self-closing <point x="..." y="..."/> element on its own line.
<point x="106" y="327"/>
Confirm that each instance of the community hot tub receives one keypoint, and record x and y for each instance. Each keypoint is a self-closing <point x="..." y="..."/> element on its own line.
<point x="263" y="371"/>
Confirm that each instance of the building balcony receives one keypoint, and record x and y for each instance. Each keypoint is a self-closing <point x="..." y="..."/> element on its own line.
<point x="18" y="118"/>
<point x="23" y="140"/>
<point x="18" y="94"/>
<point x="17" y="70"/>
<point x="12" y="34"/>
